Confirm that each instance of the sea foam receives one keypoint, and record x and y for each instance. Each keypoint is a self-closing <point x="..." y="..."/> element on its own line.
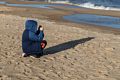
<point x="93" y="6"/>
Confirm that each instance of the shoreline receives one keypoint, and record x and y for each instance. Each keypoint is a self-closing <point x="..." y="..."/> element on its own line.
<point x="57" y="13"/>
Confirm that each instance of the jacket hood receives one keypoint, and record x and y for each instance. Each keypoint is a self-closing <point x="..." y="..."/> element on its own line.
<point x="31" y="25"/>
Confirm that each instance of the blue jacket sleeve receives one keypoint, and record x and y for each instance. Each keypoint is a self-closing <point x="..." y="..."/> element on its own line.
<point x="34" y="37"/>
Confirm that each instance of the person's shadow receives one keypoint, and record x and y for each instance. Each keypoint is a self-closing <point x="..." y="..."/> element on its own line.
<point x="66" y="45"/>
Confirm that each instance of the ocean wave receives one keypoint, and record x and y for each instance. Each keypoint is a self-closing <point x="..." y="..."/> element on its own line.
<point x="88" y="5"/>
<point x="114" y="6"/>
<point x="93" y="6"/>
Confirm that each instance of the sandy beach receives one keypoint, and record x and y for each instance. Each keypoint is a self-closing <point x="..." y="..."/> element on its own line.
<point x="72" y="53"/>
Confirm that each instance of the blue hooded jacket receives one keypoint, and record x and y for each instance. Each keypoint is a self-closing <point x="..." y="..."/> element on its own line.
<point x="30" y="40"/>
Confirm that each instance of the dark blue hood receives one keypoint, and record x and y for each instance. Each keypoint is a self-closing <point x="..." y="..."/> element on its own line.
<point x="31" y="25"/>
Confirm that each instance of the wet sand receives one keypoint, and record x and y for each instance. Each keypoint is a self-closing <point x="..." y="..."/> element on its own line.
<point x="74" y="51"/>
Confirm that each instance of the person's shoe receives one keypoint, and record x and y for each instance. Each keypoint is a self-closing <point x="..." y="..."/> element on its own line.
<point x="25" y="55"/>
<point x="38" y="55"/>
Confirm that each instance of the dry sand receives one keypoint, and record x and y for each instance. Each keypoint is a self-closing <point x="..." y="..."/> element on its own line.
<point x="73" y="53"/>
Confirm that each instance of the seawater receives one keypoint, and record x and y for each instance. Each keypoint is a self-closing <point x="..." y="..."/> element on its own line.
<point x="99" y="20"/>
<point x="93" y="4"/>
<point x="47" y="6"/>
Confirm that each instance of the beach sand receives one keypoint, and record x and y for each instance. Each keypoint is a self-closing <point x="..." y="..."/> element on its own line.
<point x="72" y="53"/>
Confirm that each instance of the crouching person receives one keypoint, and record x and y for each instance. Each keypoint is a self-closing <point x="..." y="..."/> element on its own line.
<point x="32" y="39"/>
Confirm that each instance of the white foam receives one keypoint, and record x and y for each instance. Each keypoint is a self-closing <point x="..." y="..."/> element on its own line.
<point x="88" y="5"/>
<point x="62" y="2"/>
<point x="93" y="6"/>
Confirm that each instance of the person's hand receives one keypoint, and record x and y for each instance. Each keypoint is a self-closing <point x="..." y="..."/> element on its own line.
<point x="41" y="28"/>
